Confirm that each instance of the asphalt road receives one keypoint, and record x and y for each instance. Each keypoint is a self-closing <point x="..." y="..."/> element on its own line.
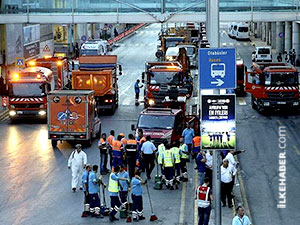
<point x="259" y="136"/>
<point x="35" y="181"/>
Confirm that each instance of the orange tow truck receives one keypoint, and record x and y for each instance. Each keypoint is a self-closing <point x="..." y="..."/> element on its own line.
<point x="72" y="116"/>
<point x="27" y="93"/>
<point x="99" y="73"/>
<point x="273" y="85"/>
<point x="164" y="80"/>
<point x="59" y="68"/>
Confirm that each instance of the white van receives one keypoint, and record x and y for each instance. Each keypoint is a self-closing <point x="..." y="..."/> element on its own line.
<point x="94" y="47"/>
<point x="231" y="29"/>
<point x="242" y="31"/>
<point x="262" y="54"/>
<point x="172" y="53"/>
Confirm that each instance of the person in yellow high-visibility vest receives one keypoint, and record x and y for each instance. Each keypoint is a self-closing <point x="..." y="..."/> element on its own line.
<point x="177" y="155"/>
<point x="168" y="161"/>
<point x="184" y="159"/>
<point x="160" y="151"/>
<point x="113" y="189"/>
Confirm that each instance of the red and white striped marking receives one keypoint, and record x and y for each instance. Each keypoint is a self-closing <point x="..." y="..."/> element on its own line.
<point x="281" y="88"/>
<point x="26" y="99"/>
<point x="154" y="88"/>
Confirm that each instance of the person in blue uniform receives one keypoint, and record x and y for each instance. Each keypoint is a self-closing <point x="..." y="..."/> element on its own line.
<point x="137" y="197"/>
<point x="123" y="188"/>
<point x="85" y="180"/>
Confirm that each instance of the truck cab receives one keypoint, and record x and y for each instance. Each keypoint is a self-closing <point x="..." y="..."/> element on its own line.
<point x="191" y="51"/>
<point x="161" y="124"/>
<point x="273" y="85"/>
<point x="27" y="92"/>
<point x="163" y="79"/>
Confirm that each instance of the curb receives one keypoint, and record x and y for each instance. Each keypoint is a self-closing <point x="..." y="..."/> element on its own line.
<point x="244" y="196"/>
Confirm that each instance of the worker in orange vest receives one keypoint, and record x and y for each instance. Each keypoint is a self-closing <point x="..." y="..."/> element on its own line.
<point x="124" y="142"/>
<point x="110" y="140"/>
<point x="196" y="146"/>
<point x="117" y="151"/>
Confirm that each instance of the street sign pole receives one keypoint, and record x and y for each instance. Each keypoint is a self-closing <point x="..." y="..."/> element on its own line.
<point x="214" y="39"/>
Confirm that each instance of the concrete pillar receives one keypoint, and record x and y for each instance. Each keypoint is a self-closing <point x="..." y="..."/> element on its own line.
<point x="287" y="36"/>
<point x="273" y="32"/>
<point x="263" y="31"/>
<point x="258" y="30"/>
<point x="295" y="38"/>
<point x="279" y="37"/>
<point x="268" y="35"/>
<point x="254" y="28"/>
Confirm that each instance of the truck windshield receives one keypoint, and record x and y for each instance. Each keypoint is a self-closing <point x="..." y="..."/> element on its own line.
<point x="89" y="52"/>
<point x="163" y="77"/>
<point x="26" y="90"/>
<point x="172" y="42"/>
<point x="156" y="122"/>
<point x="263" y="51"/>
<point x="243" y="29"/>
<point x="281" y="79"/>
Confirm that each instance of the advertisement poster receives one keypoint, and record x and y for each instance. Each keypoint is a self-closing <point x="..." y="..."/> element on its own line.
<point x="218" y="127"/>
<point x="14" y="42"/>
<point x="31" y="36"/>
<point x="60" y="34"/>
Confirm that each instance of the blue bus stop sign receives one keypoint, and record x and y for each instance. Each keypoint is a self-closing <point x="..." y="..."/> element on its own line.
<point x="217" y="68"/>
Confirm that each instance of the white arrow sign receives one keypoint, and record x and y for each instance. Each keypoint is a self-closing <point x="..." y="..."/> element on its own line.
<point x="219" y="82"/>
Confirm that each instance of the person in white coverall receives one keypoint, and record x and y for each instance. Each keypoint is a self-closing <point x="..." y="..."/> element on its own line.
<point x="77" y="162"/>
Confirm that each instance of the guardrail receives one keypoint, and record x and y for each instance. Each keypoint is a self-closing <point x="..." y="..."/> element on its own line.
<point x="126" y="33"/>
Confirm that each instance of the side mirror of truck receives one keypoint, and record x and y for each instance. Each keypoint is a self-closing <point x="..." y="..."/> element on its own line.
<point x="120" y="70"/>
<point x="143" y="77"/>
<point x="132" y="127"/>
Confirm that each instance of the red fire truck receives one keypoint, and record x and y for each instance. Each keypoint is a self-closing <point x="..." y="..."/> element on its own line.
<point x="240" y="76"/>
<point x="28" y="90"/>
<point x="59" y="68"/>
<point x="164" y="123"/>
<point x="273" y="85"/>
<point x="164" y="80"/>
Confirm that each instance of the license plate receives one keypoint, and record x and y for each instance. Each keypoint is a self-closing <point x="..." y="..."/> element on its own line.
<point x="281" y="103"/>
<point x="263" y="56"/>
<point x="67" y="136"/>
<point x="19" y="112"/>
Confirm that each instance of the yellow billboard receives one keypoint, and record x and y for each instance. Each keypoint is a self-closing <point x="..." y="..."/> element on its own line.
<point x="60" y="34"/>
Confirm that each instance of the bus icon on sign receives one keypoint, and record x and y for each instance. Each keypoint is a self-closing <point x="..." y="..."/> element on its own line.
<point x="217" y="70"/>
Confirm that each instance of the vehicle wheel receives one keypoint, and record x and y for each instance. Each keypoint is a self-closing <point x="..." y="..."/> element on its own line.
<point x="260" y="107"/>
<point x="54" y="143"/>
<point x="89" y="142"/>
<point x="113" y="109"/>
<point x="252" y="102"/>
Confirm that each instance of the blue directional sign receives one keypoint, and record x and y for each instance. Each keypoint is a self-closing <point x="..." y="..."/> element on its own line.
<point x="217" y="68"/>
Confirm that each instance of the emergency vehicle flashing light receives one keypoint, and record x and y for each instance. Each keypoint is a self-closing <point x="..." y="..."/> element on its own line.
<point x="32" y="63"/>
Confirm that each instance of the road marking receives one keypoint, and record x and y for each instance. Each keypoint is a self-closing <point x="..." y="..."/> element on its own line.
<point x="241" y="101"/>
<point x="195" y="202"/>
<point x="224" y="44"/>
<point x="126" y="101"/>
<point x="182" y="206"/>
<point x="296" y="149"/>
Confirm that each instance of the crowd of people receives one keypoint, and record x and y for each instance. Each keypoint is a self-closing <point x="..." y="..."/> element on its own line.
<point x="128" y="157"/>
